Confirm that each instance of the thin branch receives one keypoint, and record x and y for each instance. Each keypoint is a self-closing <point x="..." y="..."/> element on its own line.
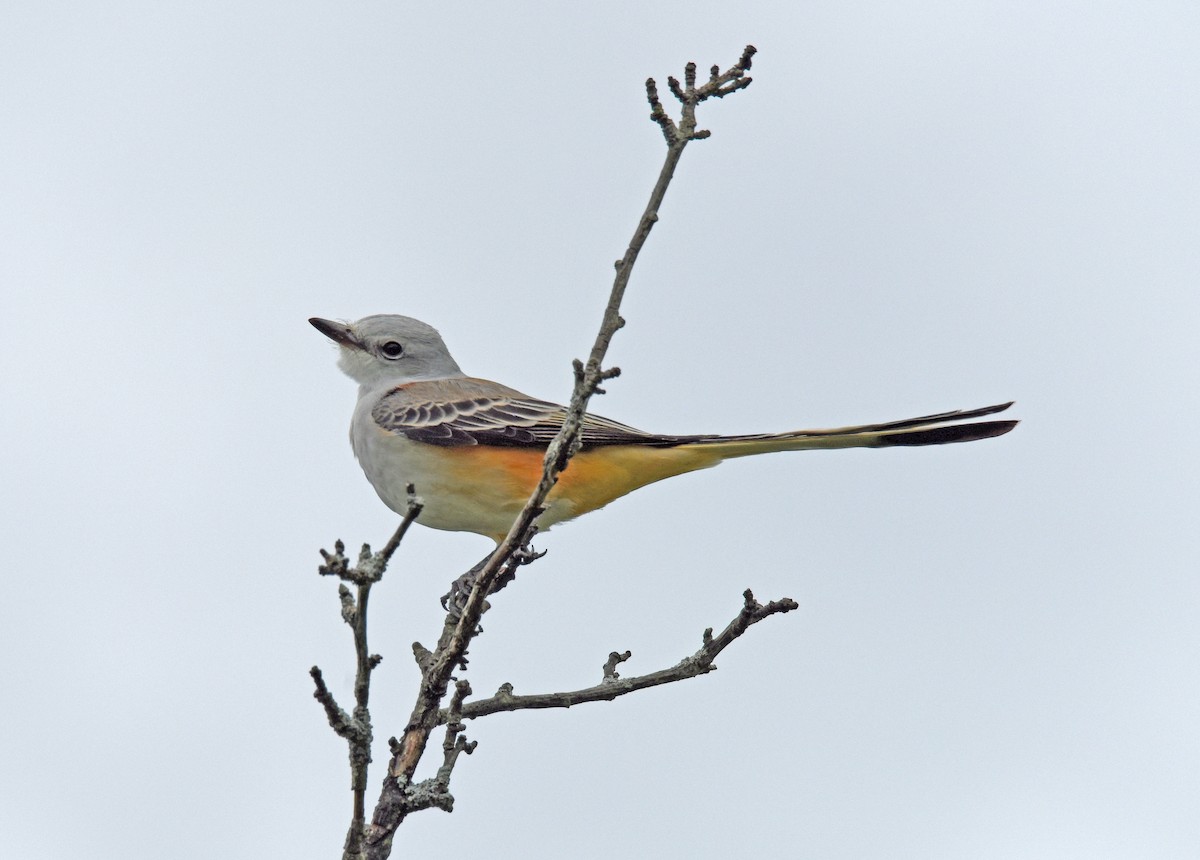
<point x="371" y="566"/>
<point x="455" y="742"/>
<point x="462" y="622"/>
<point x="339" y="720"/>
<point x="613" y="685"/>
<point x="610" y="665"/>
<point x="356" y="729"/>
<point x="689" y="95"/>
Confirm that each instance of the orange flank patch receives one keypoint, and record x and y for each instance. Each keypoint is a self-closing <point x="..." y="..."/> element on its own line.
<point x="501" y="479"/>
<point x="596" y="477"/>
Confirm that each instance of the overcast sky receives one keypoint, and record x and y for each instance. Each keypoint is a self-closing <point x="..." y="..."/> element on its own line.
<point x="916" y="207"/>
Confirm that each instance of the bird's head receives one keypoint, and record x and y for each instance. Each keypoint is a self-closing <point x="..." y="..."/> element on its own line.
<point x="389" y="349"/>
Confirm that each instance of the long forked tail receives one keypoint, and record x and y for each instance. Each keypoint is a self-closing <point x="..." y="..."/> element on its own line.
<point x="938" y="429"/>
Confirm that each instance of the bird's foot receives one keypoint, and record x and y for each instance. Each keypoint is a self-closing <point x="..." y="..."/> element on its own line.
<point x="455" y="600"/>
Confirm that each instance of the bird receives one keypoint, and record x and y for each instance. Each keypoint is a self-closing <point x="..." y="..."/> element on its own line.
<point x="472" y="449"/>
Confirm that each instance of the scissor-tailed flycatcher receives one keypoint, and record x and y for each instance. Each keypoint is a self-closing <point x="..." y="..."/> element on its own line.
<point x="473" y="448"/>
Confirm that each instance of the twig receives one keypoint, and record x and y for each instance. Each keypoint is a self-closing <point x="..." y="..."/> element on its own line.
<point x="456" y="742"/>
<point x="398" y="796"/>
<point x="612" y="685"/>
<point x="719" y="85"/>
<point x="356" y="729"/>
<point x="371" y="566"/>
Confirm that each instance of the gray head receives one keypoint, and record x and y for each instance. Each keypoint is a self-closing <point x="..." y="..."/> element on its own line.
<point x="389" y="349"/>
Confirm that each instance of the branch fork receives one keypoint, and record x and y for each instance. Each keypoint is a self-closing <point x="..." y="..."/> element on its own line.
<point x="689" y="95"/>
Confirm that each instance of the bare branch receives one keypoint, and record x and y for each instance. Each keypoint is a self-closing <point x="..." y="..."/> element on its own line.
<point x="415" y="506"/>
<point x="610" y="665"/>
<point x="339" y="720"/>
<point x="689" y="95"/>
<point x="435" y="793"/>
<point x="455" y="742"/>
<point x="370" y="565"/>
<point x="422" y="655"/>
<point x="399" y="795"/>
<point x="356" y="729"/>
<point x="673" y="86"/>
<point x="612" y="686"/>
<point x="658" y="113"/>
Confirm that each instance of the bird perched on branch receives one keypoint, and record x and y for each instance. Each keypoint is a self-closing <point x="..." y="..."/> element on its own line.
<point x="473" y="448"/>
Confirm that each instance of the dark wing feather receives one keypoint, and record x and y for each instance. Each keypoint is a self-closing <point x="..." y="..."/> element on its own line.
<point x="503" y="421"/>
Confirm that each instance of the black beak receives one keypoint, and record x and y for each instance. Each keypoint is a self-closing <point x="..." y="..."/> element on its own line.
<point x="339" y="333"/>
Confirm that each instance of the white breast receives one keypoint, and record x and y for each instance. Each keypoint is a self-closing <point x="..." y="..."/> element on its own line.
<point x="391" y="462"/>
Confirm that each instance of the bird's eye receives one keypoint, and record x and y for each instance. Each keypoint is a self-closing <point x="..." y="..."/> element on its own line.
<point x="392" y="350"/>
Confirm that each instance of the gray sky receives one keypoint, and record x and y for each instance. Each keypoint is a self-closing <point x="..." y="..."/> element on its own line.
<point x="915" y="207"/>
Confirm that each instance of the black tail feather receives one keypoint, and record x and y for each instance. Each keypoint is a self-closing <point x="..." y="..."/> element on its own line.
<point x="956" y="415"/>
<point x="949" y="433"/>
